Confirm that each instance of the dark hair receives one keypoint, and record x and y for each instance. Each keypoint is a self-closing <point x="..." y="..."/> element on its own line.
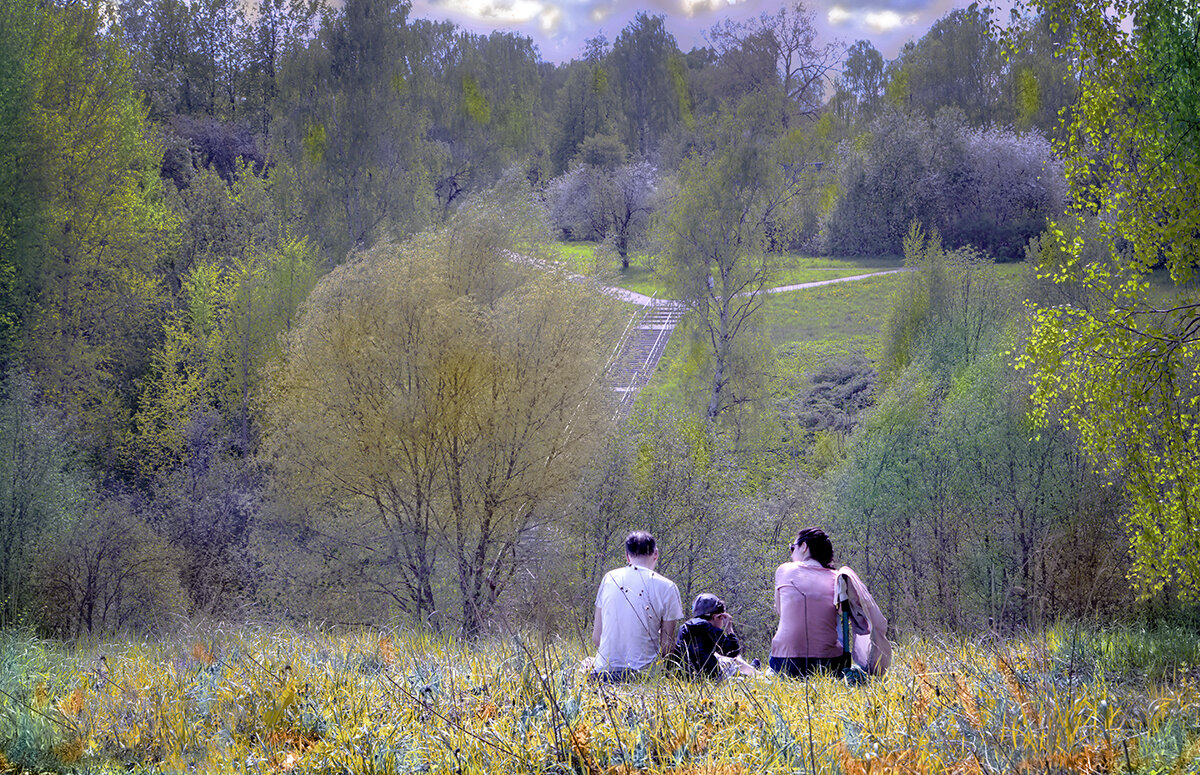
<point x="639" y="544"/>
<point x="819" y="545"/>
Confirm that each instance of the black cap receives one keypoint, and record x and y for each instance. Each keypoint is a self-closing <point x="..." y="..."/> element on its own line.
<point x="708" y="605"/>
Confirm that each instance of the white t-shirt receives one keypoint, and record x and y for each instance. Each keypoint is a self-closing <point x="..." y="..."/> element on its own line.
<point x="633" y="603"/>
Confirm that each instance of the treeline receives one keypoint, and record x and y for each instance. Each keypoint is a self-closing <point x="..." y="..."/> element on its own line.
<point x="177" y="177"/>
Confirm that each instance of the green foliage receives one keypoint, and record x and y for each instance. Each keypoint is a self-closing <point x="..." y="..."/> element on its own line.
<point x="1006" y="520"/>
<point x="41" y="488"/>
<point x="475" y="102"/>
<point x="859" y="89"/>
<point x="935" y="77"/>
<point x="1125" y="652"/>
<point x="715" y="244"/>
<point x="1121" y="368"/>
<point x="215" y="350"/>
<point x="648" y="83"/>
<point x="357" y="145"/>
<point x="674" y="481"/>
<point x="1029" y="97"/>
<point x="98" y="293"/>
<point x="18" y="197"/>
<point x="587" y="104"/>
<point x="105" y="570"/>
<point x="945" y="311"/>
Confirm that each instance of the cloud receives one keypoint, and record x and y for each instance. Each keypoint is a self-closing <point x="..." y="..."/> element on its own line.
<point x="550" y="18"/>
<point x="874" y="19"/>
<point x="899" y="6"/>
<point x="700" y="7"/>
<point x="506" y="12"/>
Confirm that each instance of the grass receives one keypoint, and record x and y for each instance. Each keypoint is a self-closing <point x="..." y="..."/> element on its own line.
<point x="840" y="318"/>
<point x="387" y="701"/>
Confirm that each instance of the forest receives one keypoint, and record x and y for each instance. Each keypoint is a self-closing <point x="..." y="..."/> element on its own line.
<point x="310" y="322"/>
<point x="268" y="353"/>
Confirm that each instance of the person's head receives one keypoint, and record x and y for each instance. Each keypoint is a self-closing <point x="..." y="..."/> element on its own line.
<point x="819" y="546"/>
<point x="640" y="546"/>
<point x="707" y="606"/>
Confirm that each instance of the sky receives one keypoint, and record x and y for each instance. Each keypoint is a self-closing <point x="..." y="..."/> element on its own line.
<point x="560" y="27"/>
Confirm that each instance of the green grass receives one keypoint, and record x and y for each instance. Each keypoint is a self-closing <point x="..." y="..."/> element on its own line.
<point x="844" y="312"/>
<point x="259" y="700"/>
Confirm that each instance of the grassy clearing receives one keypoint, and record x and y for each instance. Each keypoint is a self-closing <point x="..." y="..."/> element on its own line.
<point x="817" y="323"/>
<point x="247" y="700"/>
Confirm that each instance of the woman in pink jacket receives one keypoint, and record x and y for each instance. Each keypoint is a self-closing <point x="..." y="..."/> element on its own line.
<point x="805" y="599"/>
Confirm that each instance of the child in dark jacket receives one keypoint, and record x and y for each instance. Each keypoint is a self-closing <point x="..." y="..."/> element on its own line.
<point x="708" y="633"/>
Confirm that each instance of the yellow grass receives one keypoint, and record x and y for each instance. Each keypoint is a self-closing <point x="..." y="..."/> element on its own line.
<point x="248" y="700"/>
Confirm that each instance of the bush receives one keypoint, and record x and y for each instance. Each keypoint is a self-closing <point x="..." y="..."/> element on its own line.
<point x="105" y="571"/>
<point x="990" y="188"/>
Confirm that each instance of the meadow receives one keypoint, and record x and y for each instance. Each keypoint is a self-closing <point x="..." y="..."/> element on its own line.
<point x="387" y="701"/>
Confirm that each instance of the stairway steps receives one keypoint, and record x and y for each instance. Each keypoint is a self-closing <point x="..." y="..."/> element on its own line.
<point x="641" y="351"/>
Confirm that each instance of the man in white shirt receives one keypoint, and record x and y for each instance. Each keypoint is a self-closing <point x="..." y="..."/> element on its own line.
<point x="637" y="611"/>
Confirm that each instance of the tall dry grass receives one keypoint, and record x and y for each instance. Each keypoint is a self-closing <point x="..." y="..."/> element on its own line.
<point x="386" y="701"/>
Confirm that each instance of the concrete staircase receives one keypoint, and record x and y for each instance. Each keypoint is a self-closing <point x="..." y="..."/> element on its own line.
<point x="643" y="346"/>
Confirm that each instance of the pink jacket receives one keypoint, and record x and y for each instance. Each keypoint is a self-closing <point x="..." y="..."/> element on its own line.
<point x="872" y="651"/>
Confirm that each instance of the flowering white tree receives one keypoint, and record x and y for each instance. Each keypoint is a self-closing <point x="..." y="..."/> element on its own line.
<point x="992" y="188"/>
<point x="1013" y="175"/>
<point x="591" y="202"/>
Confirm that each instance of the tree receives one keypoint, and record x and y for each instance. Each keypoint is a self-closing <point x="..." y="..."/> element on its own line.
<point x="1122" y="368"/>
<point x="649" y="73"/>
<point x="18" y="192"/>
<point x="105" y="225"/>
<point x="452" y="394"/>
<point x="858" y="91"/>
<point x="616" y="203"/>
<point x="990" y="188"/>
<point x="959" y="63"/>
<point x="484" y="109"/>
<point x="677" y="492"/>
<point x="41" y="488"/>
<point x="718" y="232"/>
<point x="105" y="571"/>
<point x="587" y="103"/>
<point x="279" y="29"/>
<point x="1039" y="83"/>
<point x="945" y="461"/>
<point x="785" y="41"/>
<point x="354" y="136"/>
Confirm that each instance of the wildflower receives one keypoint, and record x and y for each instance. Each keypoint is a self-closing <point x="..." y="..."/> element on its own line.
<point x="386" y="652"/>
<point x="201" y="654"/>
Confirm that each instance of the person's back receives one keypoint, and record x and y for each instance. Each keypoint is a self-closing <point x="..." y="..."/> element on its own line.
<point x="808" y="617"/>
<point x="806" y="601"/>
<point x="636" y="612"/>
<point x="635" y="601"/>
